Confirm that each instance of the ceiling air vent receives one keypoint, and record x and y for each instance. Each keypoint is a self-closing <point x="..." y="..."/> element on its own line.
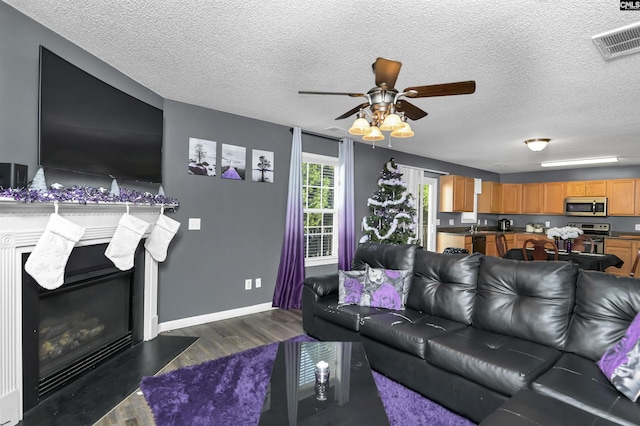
<point x="619" y="42"/>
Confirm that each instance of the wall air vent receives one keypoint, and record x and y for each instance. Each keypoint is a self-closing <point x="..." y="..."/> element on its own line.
<point x="619" y="42"/>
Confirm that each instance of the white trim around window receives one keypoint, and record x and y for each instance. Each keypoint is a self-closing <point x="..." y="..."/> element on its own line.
<point x="333" y="258"/>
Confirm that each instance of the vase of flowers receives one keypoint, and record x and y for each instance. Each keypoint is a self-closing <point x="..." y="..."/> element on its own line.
<point x="566" y="233"/>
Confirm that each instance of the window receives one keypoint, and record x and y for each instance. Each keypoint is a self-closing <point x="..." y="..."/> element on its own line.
<point x="320" y="213"/>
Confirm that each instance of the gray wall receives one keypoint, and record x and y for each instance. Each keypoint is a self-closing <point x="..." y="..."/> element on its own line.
<point x="242" y="221"/>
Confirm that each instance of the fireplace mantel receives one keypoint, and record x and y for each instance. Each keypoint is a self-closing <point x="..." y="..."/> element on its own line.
<point x="21" y="225"/>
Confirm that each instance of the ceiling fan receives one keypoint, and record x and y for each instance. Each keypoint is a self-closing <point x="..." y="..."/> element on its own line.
<point x="388" y="111"/>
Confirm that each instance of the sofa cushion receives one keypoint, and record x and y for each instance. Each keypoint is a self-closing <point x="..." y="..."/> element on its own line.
<point x="390" y="256"/>
<point x="502" y="363"/>
<point x="621" y="363"/>
<point x="579" y="382"/>
<point x="347" y="316"/>
<point x="527" y="408"/>
<point x="605" y="306"/>
<point x="444" y="285"/>
<point x="526" y="299"/>
<point x="350" y="287"/>
<point x="323" y="285"/>
<point x="408" y="331"/>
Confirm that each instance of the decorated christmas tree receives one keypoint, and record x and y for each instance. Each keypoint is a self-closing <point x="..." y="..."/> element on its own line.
<point x="393" y="216"/>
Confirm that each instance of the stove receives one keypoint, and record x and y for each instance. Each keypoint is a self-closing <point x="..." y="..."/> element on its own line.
<point x="597" y="231"/>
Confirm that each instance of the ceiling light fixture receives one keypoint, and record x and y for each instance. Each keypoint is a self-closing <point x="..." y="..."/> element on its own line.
<point x="537" y="144"/>
<point x="381" y="119"/>
<point x="579" y="162"/>
<point x="373" y="135"/>
<point x="404" y="131"/>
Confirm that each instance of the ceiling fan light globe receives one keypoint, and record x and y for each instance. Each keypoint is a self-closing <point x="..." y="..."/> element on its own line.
<point x="374" y="135"/>
<point x="537" y="144"/>
<point x="403" y="132"/>
<point x="391" y="122"/>
<point x="360" y="127"/>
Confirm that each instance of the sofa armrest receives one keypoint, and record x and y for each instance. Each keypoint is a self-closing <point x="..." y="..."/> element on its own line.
<point x="323" y="285"/>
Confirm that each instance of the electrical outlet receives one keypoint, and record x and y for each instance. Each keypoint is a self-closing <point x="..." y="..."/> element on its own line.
<point x="511" y="222"/>
<point x="452" y="222"/>
<point x="547" y="224"/>
<point x="637" y="227"/>
<point x="247" y="284"/>
<point x="485" y="221"/>
<point x="258" y="282"/>
<point x="194" y="224"/>
<point x="437" y="222"/>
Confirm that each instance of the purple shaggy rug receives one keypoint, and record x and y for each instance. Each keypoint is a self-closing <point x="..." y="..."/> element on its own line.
<point x="231" y="390"/>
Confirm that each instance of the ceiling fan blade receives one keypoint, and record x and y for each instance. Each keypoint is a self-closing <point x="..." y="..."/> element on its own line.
<point x="410" y="110"/>
<point x="353" y="111"/>
<point x="386" y="72"/>
<point x="447" y="89"/>
<point x="354" y="95"/>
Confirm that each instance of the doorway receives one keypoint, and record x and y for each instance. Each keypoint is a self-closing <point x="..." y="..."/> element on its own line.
<point x="424" y="190"/>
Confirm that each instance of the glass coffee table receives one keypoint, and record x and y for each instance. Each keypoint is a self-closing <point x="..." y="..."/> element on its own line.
<point x="349" y="397"/>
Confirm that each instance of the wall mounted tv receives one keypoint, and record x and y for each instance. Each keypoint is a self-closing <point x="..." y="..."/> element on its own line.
<point x="89" y="126"/>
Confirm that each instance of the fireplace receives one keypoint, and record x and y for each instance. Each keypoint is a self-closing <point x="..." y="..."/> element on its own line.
<point x="72" y="329"/>
<point x="21" y="225"/>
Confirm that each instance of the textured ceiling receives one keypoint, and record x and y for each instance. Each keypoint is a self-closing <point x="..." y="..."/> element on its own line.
<point x="538" y="73"/>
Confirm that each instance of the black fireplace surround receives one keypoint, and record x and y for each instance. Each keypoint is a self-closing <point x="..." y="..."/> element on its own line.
<point x="96" y="314"/>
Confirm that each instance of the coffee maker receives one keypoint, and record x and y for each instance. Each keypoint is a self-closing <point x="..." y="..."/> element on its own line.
<point x="504" y="225"/>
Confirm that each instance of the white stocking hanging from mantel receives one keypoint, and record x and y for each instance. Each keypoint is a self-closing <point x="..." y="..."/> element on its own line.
<point x="122" y="247"/>
<point x="47" y="262"/>
<point x="162" y="234"/>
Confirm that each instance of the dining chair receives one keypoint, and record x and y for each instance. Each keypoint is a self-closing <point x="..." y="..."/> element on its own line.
<point x="539" y="249"/>
<point x="501" y="244"/>
<point x="583" y="243"/>
<point x="635" y="265"/>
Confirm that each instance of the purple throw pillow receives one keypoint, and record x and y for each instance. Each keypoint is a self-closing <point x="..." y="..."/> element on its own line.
<point x="350" y="286"/>
<point x="621" y="363"/>
<point x="385" y="288"/>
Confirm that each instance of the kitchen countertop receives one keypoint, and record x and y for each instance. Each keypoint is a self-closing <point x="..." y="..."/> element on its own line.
<point x="463" y="230"/>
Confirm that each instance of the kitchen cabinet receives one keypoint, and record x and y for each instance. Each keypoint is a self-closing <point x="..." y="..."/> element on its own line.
<point x="589" y="188"/>
<point x="491" y="249"/>
<point x="625" y="249"/>
<point x="532" y="198"/>
<point x="621" y="193"/>
<point x="596" y="188"/>
<point x="512" y="198"/>
<point x="444" y="240"/>
<point x="490" y="201"/>
<point x="553" y="197"/>
<point x="576" y="189"/>
<point x="456" y="193"/>
<point x="637" y="199"/>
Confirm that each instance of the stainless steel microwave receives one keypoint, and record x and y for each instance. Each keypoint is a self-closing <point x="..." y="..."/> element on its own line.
<point x="585" y="206"/>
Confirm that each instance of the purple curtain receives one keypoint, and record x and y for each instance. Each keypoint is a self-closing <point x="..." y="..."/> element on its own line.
<point x="346" y="215"/>
<point x="288" y="292"/>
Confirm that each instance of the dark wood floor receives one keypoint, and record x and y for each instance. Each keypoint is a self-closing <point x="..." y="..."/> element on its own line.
<point x="217" y="339"/>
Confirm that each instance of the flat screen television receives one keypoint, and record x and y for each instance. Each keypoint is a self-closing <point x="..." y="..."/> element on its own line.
<point x="89" y="126"/>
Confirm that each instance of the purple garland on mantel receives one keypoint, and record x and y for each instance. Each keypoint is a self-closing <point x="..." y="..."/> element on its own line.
<point x="87" y="194"/>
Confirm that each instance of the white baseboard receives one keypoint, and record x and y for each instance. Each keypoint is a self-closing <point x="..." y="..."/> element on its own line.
<point x="216" y="316"/>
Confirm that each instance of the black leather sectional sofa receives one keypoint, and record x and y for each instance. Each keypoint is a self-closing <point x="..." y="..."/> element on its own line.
<point x="502" y="342"/>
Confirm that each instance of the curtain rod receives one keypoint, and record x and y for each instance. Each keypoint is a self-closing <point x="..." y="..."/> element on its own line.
<point x="304" y="132"/>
